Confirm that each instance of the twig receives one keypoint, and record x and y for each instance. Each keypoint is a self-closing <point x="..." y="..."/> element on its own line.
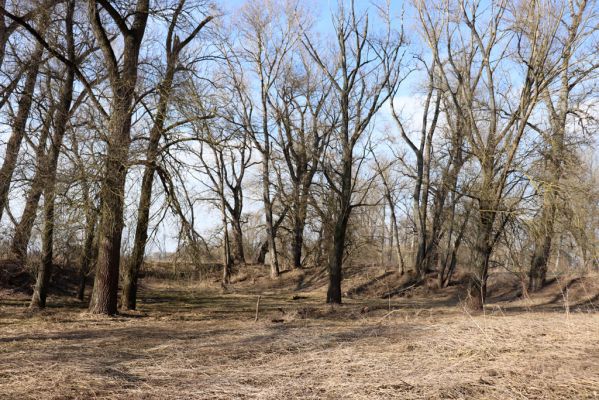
<point x="257" y="308"/>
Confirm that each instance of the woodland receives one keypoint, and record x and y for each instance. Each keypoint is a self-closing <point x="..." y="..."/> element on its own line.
<point x="299" y="199"/>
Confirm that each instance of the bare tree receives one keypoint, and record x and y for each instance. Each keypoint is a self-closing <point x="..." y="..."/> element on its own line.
<point x="19" y="124"/>
<point x="269" y="31"/>
<point x="122" y="76"/>
<point x="383" y="169"/>
<point x="174" y="47"/>
<point x="423" y="153"/>
<point x="496" y="112"/>
<point x="61" y="120"/>
<point x="304" y="126"/>
<point x="360" y="70"/>
<point x="576" y="66"/>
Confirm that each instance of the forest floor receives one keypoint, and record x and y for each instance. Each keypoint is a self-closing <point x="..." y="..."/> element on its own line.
<point x="197" y="341"/>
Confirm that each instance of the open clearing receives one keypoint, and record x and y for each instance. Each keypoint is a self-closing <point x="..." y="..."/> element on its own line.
<point x="190" y="341"/>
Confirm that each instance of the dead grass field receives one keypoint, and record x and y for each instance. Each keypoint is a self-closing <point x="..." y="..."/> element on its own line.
<point x="191" y="341"/>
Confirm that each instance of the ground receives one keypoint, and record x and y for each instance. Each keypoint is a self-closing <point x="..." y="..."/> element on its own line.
<point x="196" y="341"/>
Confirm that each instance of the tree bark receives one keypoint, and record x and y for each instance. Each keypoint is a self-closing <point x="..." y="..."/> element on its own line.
<point x="477" y="285"/>
<point x="60" y="126"/>
<point x="237" y="247"/>
<point x="132" y="268"/>
<point x="23" y="229"/>
<point x="89" y="252"/>
<point x="336" y="262"/>
<point x="112" y="193"/>
<point x="270" y="231"/>
<point x="342" y="219"/>
<point x="299" y="223"/>
<point x="19" y="125"/>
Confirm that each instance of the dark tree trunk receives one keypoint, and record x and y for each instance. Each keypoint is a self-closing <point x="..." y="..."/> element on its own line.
<point x="260" y="255"/>
<point x="60" y="126"/>
<point x="90" y="245"/>
<point x="477" y="285"/>
<point x="336" y="261"/>
<point x="105" y="291"/>
<point x="340" y="230"/>
<point x="237" y="245"/>
<point x="23" y="229"/>
<point x="298" y="244"/>
<point x="112" y="194"/>
<point x="299" y="223"/>
<point x="89" y="252"/>
<point x="538" y="267"/>
<point x="226" y="256"/>
<point x="132" y="268"/>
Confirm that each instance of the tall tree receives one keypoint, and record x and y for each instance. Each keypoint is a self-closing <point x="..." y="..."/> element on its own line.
<point x="174" y="47"/>
<point x="495" y="110"/>
<point x="302" y="113"/>
<point x="269" y="31"/>
<point x="19" y="123"/>
<point x="579" y="23"/>
<point x="122" y="75"/>
<point x="360" y="70"/>
<point x="61" y="119"/>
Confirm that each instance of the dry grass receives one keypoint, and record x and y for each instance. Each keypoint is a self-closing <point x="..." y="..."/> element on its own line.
<point x="198" y="343"/>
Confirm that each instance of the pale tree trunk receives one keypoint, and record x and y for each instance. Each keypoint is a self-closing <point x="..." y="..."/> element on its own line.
<point x="44" y="271"/>
<point x="270" y="231"/>
<point x="23" y="229"/>
<point x="19" y="125"/>
<point x="395" y="234"/>
<point x="299" y="223"/>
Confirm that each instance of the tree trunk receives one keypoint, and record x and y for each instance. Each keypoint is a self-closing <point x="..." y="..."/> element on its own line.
<point x="60" y="126"/>
<point x="237" y="247"/>
<point x="336" y="261"/>
<point x="270" y="231"/>
<point x="299" y="223"/>
<point x="132" y="268"/>
<point x="477" y="285"/>
<point x="395" y="233"/>
<point x="44" y="272"/>
<point x="18" y="127"/>
<point x="226" y="246"/>
<point x="112" y="193"/>
<point x="340" y="229"/>
<point x="539" y="263"/>
<point x="88" y="254"/>
<point x="23" y="229"/>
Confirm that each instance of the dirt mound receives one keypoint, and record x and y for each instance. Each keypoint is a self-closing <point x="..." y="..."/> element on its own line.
<point x="16" y="279"/>
<point x="571" y="291"/>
